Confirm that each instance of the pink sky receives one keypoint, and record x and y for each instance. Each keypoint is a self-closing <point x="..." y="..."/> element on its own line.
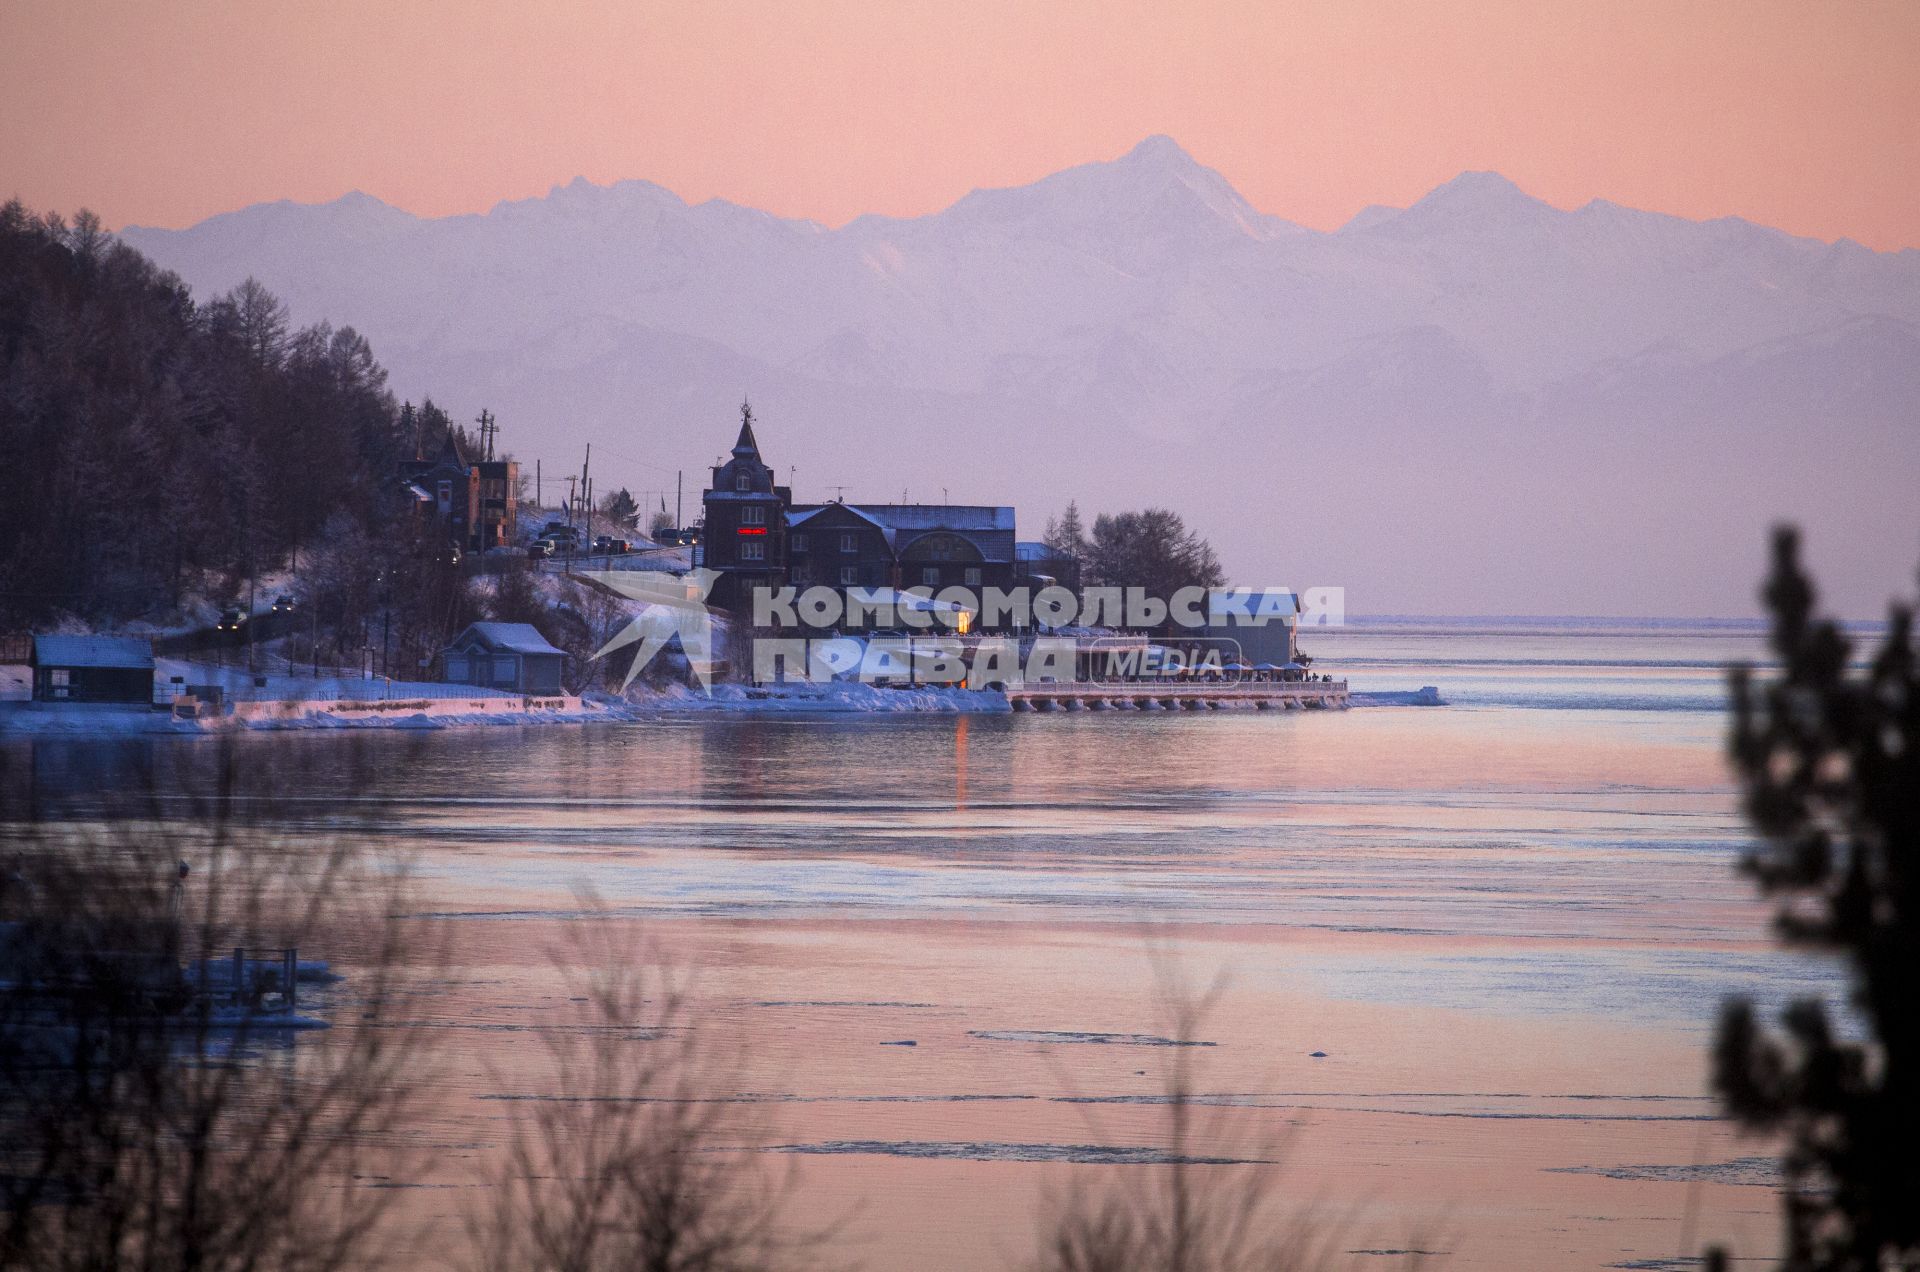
<point x="1796" y="115"/>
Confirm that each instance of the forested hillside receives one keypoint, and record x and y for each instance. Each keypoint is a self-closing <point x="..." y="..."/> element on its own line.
<point x="156" y="445"/>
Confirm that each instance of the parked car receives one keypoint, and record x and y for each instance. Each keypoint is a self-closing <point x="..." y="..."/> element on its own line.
<point x="231" y="620"/>
<point x="283" y="604"/>
<point x="540" y="548"/>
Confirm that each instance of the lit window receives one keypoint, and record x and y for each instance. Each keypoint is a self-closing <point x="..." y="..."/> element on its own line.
<point x="755" y="550"/>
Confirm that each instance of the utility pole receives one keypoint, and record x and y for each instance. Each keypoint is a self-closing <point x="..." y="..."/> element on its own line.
<point x="538" y="496"/>
<point x="586" y="507"/>
<point x="678" y="476"/>
<point x="488" y="431"/>
<point x="250" y="582"/>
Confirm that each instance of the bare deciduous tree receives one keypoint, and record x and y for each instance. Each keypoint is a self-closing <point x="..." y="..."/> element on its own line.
<point x="156" y="1109"/>
<point x="639" y="1159"/>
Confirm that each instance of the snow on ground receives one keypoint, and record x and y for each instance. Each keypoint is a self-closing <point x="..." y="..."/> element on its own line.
<point x="1424" y="696"/>
<point x="239" y="683"/>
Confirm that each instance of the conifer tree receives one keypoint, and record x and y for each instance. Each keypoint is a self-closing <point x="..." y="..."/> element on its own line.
<point x="1829" y="761"/>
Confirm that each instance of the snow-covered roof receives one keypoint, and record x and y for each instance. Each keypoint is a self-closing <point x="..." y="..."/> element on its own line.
<point x="513" y="638"/>
<point x="1028" y="550"/>
<point x="941" y="516"/>
<point x="803" y="515"/>
<point x="126" y="653"/>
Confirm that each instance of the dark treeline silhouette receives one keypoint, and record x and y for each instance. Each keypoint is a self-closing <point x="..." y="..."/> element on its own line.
<point x="159" y="447"/>
<point x="1151" y="549"/>
<point x="1829" y="762"/>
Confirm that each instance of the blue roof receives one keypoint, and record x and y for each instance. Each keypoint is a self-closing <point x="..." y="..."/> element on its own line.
<point x="941" y="516"/>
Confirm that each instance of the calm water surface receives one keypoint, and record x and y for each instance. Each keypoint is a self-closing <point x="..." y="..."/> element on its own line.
<point x="1507" y="924"/>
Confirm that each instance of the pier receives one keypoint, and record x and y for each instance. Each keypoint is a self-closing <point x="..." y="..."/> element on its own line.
<point x="1143" y="695"/>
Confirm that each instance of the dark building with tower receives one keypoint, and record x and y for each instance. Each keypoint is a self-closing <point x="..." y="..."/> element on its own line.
<point x="745" y="536"/>
<point x="757" y="536"/>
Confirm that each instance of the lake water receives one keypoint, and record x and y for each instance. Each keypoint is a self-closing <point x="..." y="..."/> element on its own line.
<point x="1505" y="925"/>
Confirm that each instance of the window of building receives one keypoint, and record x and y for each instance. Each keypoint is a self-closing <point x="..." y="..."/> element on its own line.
<point x="503" y="671"/>
<point x="797" y="543"/>
<point x="930" y="575"/>
<point x="973" y="576"/>
<point x="753" y="551"/>
<point x="743" y="483"/>
<point x="849" y="575"/>
<point x="754" y="516"/>
<point x="849" y="542"/>
<point x="446" y="496"/>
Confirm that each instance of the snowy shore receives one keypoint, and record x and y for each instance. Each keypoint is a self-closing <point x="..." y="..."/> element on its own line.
<point x="286" y="702"/>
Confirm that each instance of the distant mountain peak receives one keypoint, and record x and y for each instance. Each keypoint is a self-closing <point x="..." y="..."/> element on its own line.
<point x="1484" y="200"/>
<point x="1157" y="184"/>
<point x="1480" y="190"/>
<point x="1161" y="149"/>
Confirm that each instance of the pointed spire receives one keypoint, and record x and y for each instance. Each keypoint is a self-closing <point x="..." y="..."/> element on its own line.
<point x="450" y="449"/>
<point x="746" y="445"/>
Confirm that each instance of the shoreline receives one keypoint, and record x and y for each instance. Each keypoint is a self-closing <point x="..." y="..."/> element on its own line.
<point x="431" y="707"/>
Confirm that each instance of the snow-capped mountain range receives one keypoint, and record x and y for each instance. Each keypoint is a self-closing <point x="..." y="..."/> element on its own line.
<point x="1479" y="403"/>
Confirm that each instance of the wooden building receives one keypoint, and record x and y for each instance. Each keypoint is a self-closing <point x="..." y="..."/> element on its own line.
<point x="745" y="534"/>
<point x="115" y="669"/>
<point x="510" y="656"/>
<point x="476" y="501"/>
<point x="756" y="536"/>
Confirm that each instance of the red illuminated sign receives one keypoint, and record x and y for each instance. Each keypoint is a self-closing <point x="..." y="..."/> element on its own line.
<point x="753" y="529"/>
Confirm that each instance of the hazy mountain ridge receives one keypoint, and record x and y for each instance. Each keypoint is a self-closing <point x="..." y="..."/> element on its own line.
<point x="1139" y="304"/>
